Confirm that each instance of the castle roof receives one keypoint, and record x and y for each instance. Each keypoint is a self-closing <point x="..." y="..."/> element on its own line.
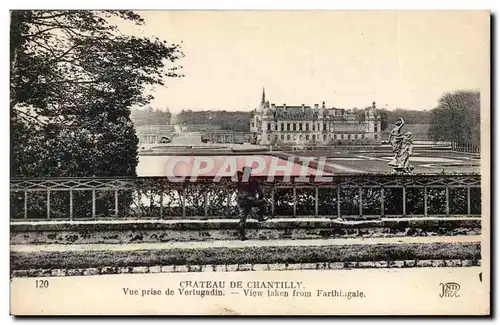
<point x="294" y="112"/>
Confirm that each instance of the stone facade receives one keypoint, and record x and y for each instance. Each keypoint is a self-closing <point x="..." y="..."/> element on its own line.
<point x="306" y="125"/>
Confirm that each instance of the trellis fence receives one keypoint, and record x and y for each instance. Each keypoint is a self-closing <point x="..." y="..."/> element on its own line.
<point x="346" y="196"/>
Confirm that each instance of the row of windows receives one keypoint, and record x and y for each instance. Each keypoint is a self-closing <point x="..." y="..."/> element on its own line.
<point x="298" y="127"/>
<point x="335" y="137"/>
<point x="295" y="127"/>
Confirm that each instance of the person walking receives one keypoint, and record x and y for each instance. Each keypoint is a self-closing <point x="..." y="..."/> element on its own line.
<point x="249" y="195"/>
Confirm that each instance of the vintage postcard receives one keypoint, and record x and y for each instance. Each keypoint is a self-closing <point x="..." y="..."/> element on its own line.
<point x="249" y="162"/>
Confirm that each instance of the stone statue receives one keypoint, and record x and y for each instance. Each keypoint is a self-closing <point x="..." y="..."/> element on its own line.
<point x="396" y="136"/>
<point x="406" y="152"/>
<point x="402" y="147"/>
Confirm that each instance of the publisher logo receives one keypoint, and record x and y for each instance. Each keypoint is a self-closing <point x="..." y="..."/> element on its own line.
<point x="449" y="290"/>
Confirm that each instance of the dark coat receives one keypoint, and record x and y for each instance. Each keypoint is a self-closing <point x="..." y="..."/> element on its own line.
<point x="250" y="189"/>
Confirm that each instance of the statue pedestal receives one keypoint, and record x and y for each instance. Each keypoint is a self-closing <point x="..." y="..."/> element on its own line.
<point x="402" y="170"/>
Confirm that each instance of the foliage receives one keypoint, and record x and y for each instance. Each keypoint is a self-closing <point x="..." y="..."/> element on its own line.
<point x="150" y="116"/>
<point x="384" y="119"/>
<point x="457" y="118"/>
<point x="246" y="255"/>
<point x="74" y="77"/>
<point x="151" y="197"/>
<point x="233" y="121"/>
<point x="389" y="118"/>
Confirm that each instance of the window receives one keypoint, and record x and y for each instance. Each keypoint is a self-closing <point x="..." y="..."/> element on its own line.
<point x="295" y="126"/>
<point x="288" y="135"/>
<point x="362" y="136"/>
<point x="375" y="137"/>
<point x="253" y="124"/>
<point x="300" y="126"/>
<point x="307" y="126"/>
<point x="356" y="136"/>
<point x="348" y="137"/>
<point x="282" y="126"/>
<point x="342" y="136"/>
<point x="335" y="137"/>
<point x="300" y="137"/>
<point x="269" y="126"/>
<point x="324" y="137"/>
<point x="314" y="127"/>
<point x="375" y="130"/>
<point x="307" y="136"/>
<point x="324" y="126"/>
<point x="282" y="137"/>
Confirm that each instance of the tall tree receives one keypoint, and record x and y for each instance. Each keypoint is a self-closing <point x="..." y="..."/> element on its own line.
<point x="74" y="78"/>
<point x="234" y="121"/>
<point x="457" y="118"/>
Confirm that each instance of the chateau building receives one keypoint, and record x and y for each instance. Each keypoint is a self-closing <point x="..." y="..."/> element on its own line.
<point x="313" y="125"/>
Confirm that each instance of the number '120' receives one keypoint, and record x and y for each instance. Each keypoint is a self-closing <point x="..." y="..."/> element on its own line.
<point x="42" y="284"/>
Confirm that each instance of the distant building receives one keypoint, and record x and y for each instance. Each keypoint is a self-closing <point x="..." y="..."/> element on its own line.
<point x="154" y="133"/>
<point x="313" y="125"/>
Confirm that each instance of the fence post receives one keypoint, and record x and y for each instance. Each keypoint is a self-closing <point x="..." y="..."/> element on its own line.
<point x="48" y="204"/>
<point x="93" y="203"/>
<point x="161" y="200"/>
<point x="447" y="191"/>
<point x="382" y="197"/>
<point x="25" y="204"/>
<point x="70" y="204"/>
<point x="338" y="200"/>
<point x="294" y="201"/>
<point x="360" y="201"/>
<point x="116" y="203"/>
<point x="425" y="201"/>
<point x="272" y="201"/>
<point x="468" y="201"/>
<point x="228" y="205"/>
<point x="183" y="202"/>
<point x="316" y="190"/>
<point x="205" y="202"/>
<point x="404" y="200"/>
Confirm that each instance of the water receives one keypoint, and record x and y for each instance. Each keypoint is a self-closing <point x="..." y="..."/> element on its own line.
<point x="218" y="165"/>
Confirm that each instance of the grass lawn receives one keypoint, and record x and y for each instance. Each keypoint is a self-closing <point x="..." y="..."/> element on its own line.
<point x="247" y="255"/>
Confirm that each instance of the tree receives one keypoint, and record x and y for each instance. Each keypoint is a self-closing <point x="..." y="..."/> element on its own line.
<point x="383" y="119"/>
<point x="74" y="78"/>
<point x="388" y="118"/>
<point x="457" y="118"/>
<point x="226" y="120"/>
<point x="150" y="116"/>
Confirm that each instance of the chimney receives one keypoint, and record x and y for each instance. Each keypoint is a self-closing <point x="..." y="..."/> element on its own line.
<point x="323" y="104"/>
<point x="284" y="105"/>
<point x="316" y="106"/>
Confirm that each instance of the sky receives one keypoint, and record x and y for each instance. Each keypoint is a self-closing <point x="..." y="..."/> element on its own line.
<point x="348" y="59"/>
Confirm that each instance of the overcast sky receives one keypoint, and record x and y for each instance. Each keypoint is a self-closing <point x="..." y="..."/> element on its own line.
<point x="347" y="59"/>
